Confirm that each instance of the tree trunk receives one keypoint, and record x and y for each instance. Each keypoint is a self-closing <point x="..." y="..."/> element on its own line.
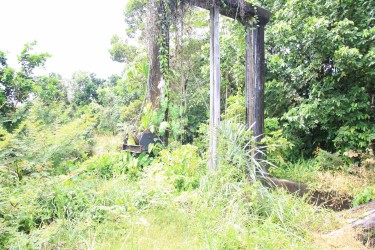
<point x="156" y="82"/>
<point x="158" y="31"/>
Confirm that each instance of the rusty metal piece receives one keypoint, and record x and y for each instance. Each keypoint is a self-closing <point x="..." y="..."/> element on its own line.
<point x="145" y="139"/>
<point x="133" y="148"/>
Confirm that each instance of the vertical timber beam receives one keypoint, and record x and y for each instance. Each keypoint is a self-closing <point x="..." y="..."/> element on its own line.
<point x="255" y="70"/>
<point x="249" y="88"/>
<point x="214" y="85"/>
<point x="258" y="76"/>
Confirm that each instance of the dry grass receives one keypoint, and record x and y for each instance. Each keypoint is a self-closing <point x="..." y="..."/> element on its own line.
<point x="107" y="143"/>
<point x="345" y="240"/>
<point x="347" y="184"/>
<point x="343" y="235"/>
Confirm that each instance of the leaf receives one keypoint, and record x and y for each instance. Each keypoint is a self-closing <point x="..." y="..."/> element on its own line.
<point x="163" y="127"/>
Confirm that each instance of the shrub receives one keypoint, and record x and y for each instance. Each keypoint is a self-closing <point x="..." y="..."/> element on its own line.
<point x="279" y="149"/>
<point x="183" y="165"/>
<point x="329" y="161"/>
<point x="236" y="109"/>
<point x="115" y="164"/>
<point x="365" y="196"/>
<point x="36" y="147"/>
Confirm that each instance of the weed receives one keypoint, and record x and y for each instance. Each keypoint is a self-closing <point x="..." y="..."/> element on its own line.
<point x="365" y="196"/>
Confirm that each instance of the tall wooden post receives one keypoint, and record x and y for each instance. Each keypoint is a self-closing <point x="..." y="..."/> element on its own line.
<point x="214" y="85"/>
<point x="249" y="84"/>
<point x="255" y="83"/>
<point x="255" y="80"/>
<point x="258" y="51"/>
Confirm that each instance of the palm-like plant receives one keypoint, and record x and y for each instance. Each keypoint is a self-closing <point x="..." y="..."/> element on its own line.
<point x="239" y="153"/>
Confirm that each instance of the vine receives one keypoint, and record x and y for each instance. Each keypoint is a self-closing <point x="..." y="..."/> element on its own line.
<point x="171" y="13"/>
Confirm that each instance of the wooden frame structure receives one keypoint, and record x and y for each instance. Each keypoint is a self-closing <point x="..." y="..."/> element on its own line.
<point x="254" y="19"/>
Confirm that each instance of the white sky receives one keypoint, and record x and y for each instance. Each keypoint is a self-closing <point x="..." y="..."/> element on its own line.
<point x="76" y="33"/>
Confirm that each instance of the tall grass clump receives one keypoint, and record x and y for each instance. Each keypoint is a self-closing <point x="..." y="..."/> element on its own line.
<point x="235" y="210"/>
<point x="238" y="151"/>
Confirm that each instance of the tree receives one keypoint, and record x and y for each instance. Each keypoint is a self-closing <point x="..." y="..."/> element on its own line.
<point x="121" y="51"/>
<point x="17" y="86"/>
<point x="50" y="88"/>
<point x="85" y="87"/>
<point x="321" y="72"/>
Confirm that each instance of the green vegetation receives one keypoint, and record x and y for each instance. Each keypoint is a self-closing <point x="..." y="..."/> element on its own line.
<point x="66" y="184"/>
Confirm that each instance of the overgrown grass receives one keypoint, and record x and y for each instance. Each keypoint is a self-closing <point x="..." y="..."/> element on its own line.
<point x="301" y="171"/>
<point x="113" y="200"/>
<point x="326" y="172"/>
<point x="86" y="209"/>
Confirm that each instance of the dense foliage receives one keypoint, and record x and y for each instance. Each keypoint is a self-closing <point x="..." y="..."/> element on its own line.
<point x="321" y="72"/>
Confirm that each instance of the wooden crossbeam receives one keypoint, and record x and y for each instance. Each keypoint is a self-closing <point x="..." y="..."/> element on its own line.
<point x="236" y="9"/>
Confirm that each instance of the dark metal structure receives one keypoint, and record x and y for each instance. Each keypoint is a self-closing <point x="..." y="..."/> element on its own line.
<point x="143" y="141"/>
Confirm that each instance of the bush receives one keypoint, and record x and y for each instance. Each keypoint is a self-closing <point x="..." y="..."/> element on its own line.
<point x="38" y="147"/>
<point x="329" y="161"/>
<point x="183" y="165"/>
<point x="365" y="196"/>
<point x="279" y="149"/>
<point x="115" y="164"/>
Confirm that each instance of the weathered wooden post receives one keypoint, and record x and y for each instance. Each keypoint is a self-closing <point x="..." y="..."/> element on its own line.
<point x="249" y="81"/>
<point x="258" y="76"/>
<point x="214" y="84"/>
<point x="255" y="79"/>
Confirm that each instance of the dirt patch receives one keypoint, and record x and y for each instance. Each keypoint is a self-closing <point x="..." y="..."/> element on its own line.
<point x="362" y="220"/>
<point x="343" y="240"/>
<point x="331" y="199"/>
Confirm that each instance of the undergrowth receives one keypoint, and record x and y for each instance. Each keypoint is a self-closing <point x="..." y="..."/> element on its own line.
<point x="114" y="200"/>
<point x="75" y="189"/>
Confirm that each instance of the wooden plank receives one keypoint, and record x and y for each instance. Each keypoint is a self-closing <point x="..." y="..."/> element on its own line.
<point x="211" y="163"/>
<point x="236" y="9"/>
<point x="249" y="80"/>
<point x="258" y="76"/>
<point x="217" y="74"/>
<point x="214" y="85"/>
